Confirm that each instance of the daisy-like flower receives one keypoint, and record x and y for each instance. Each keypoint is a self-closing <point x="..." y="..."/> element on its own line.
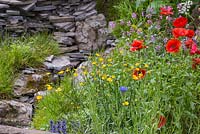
<point x="138" y="73"/>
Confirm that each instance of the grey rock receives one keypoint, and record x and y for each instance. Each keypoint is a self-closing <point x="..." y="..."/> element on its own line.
<point x="67" y="41"/>
<point x="58" y="63"/>
<point x="15" y="113"/>
<point x="64" y="25"/>
<point x="4" y="6"/>
<point x="30" y="6"/>
<point x="102" y="36"/>
<point x="29" y="71"/>
<point x="85" y="15"/>
<point x="11" y="2"/>
<point x="20" y="86"/>
<point x="57" y="19"/>
<point x="15" y="19"/>
<point x="68" y="49"/>
<point x="62" y="34"/>
<point x="50" y="58"/>
<point x="14" y="130"/>
<point x="13" y="12"/>
<point x="98" y="21"/>
<point x="3" y="15"/>
<point x="78" y="13"/>
<point x="85" y="7"/>
<point x="45" y="8"/>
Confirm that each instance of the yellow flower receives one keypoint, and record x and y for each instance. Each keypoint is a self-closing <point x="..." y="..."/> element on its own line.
<point x="75" y="74"/>
<point x="137" y="69"/>
<point x="94" y="63"/>
<point x="146" y="65"/>
<point x="58" y="89"/>
<point x="113" y="76"/>
<point x="67" y="70"/>
<point x="121" y="51"/>
<point x="125" y="103"/>
<point x="140" y="75"/>
<point x="137" y="64"/>
<point x="85" y="72"/>
<point x="125" y="65"/>
<point x="61" y="72"/>
<point x="83" y="67"/>
<point x="132" y="67"/>
<point x="39" y="97"/>
<point x="48" y="73"/>
<point x="81" y="84"/>
<point x="92" y="74"/>
<point x="135" y="77"/>
<point x="49" y="87"/>
<point x="109" y="65"/>
<point x="109" y="79"/>
<point x="104" y="76"/>
<point x="97" y="54"/>
<point x="101" y="59"/>
<point x="109" y="60"/>
<point x="103" y="66"/>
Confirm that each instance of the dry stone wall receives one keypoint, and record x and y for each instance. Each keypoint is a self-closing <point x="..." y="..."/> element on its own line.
<point x="75" y="23"/>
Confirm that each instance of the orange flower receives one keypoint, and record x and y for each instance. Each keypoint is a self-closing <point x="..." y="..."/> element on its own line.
<point x="138" y="73"/>
<point x="137" y="45"/>
<point x="173" y="46"/>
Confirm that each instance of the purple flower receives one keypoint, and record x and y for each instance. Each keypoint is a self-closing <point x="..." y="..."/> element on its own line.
<point x="143" y="13"/>
<point x="134" y="15"/>
<point x="149" y="16"/>
<point x="149" y="22"/>
<point x="128" y="23"/>
<point x="123" y="89"/>
<point x="161" y="17"/>
<point x="112" y="24"/>
<point x="158" y="26"/>
<point x="158" y="48"/>
<point x="165" y="40"/>
<point x="168" y="18"/>
<point x="122" y="22"/>
<point x="150" y="10"/>
<point x="153" y="38"/>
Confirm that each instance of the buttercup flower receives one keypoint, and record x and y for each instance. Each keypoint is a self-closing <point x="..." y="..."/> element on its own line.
<point x="180" y="22"/>
<point x="109" y="79"/>
<point x="138" y="73"/>
<point x="137" y="45"/>
<point x="39" y="97"/>
<point x="61" y="72"/>
<point x="125" y="103"/>
<point x="173" y="46"/>
<point x="49" y="87"/>
<point x="123" y="89"/>
<point x="162" y="121"/>
<point x="167" y="10"/>
<point x="58" y="89"/>
<point x="177" y="32"/>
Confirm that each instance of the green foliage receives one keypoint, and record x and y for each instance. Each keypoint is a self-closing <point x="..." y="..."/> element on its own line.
<point x="19" y="53"/>
<point x="56" y="105"/>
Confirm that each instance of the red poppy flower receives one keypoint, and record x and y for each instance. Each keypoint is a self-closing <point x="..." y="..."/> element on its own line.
<point x="162" y="121"/>
<point x="196" y="61"/>
<point x="138" y="73"/>
<point x="179" y="32"/>
<point x="180" y="22"/>
<point x="137" y="45"/>
<point x="173" y="46"/>
<point x="188" y="43"/>
<point x="166" y="10"/>
<point x="194" y="49"/>
<point x="190" y="33"/>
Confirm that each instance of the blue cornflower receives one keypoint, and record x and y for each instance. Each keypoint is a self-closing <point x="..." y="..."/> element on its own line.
<point x="123" y="89"/>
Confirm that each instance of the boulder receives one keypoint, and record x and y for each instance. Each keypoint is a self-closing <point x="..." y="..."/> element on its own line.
<point x="15" y="113"/>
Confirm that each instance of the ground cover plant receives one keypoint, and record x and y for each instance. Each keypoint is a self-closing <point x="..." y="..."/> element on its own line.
<point x="150" y="83"/>
<point x="16" y="54"/>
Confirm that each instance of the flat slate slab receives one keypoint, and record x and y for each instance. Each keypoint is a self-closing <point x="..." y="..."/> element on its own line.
<point x="15" y="130"/>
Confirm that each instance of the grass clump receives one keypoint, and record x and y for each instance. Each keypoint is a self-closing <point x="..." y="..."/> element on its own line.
<point x="22" y="52"/>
